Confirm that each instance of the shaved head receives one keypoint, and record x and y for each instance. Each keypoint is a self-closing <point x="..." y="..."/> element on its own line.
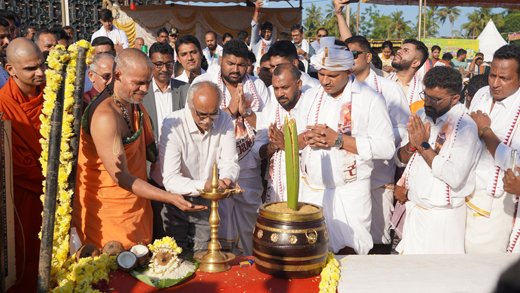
<point x="20" y="48"/>
<point x="132" y="59"/>
<point x="132" y="75"/>
<point x="26" y="65"/>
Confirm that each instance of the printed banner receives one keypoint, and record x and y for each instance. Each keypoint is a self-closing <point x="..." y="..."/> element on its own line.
<point x="453" y="45"/>
<point x="514" y="36"/>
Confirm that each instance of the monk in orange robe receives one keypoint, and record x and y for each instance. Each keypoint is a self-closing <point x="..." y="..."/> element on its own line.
<point x="21" y="101"/>
<point x="112" y="200"/>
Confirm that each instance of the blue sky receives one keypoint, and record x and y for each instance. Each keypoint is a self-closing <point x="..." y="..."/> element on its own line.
<point x="410" y="12"/>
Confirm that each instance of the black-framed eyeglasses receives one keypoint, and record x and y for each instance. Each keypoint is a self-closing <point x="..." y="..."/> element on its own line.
<point x="434" y="100"/>
<point x="105" y="76"/>
<point x="159" y="65"/>
<point x="203" y="116"/>
<point x="319" y="36"/>
<point x="357" y="53"/>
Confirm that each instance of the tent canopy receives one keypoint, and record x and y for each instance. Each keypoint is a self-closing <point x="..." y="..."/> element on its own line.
<point x="490" y="40"/>
<point x="511" y="4"/>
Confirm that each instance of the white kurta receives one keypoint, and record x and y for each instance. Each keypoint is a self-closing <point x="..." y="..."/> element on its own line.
<point x="490" y="209"/>
<point x="184" y="76"/>
<point x="347" y="206"/>
<point x="213" y="59"/>
<point x="435" y="213"/>
<point x="116" y="35"/>
<point x="412" y="89"/>
<point x="238" y="213"/>
<point x="275" y="114"/>
<point x="384" y="170"/>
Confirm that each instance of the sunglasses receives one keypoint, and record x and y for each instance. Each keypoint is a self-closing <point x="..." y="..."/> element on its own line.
<point x="106" y="77"/>
<point x="357" y="53"/>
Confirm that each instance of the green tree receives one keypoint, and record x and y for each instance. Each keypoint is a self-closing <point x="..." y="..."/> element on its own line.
<point x="332" y="21"/>
<point x="474" y="26"/>
<point x="399" y="26"/>
<point x="449" y="13"/>
<point x="313" y="19"/>
<point x="511" y="24"/>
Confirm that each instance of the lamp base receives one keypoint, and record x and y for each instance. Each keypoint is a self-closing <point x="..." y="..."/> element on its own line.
<point x="214" y="261"/>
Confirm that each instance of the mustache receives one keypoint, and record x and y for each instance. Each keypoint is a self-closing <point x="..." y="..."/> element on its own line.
<point x="204" y="122"/>
<point x="139" y="93"/>
<point x="164" y="73"/>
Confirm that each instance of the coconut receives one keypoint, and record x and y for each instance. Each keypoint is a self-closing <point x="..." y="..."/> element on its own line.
<point x="87" y="250"/>
<point x="141" y="252"/>
<point x="126" y="261"/>
<point x="113" y="248"/>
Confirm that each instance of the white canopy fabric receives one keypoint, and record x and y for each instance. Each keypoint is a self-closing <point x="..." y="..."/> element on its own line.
<point x="490" y="40"/>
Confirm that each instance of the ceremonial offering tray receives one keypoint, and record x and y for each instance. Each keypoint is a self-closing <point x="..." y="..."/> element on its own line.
<point x="290" y="245"/>
<point x="214" y="260"/>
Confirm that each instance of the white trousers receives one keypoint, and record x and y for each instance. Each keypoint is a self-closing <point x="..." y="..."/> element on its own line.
<point x="382" y="209"/>
<point x="433" y="231"/>
<point x="490" y="234"/>
<point x="347" y="211"/>
<point x="238" y="215"/>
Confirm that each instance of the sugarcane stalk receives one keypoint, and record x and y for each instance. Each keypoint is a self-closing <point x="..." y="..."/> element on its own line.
<point x="292" y="163"/>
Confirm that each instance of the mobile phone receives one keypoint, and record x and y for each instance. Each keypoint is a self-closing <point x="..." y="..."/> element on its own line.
<point x="266" y="3"/>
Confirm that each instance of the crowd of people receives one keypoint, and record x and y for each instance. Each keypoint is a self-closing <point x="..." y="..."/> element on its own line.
<point x="396" y="145"/>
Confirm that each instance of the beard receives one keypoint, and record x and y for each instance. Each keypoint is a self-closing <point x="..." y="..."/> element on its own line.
<point x="233" y="80"/>
<point x="289" y="103"/>
<point x="401" y="65"/>
<point x="436" y="113"/>
<point x="212" y="47"/>
<point x="128" y="98"/>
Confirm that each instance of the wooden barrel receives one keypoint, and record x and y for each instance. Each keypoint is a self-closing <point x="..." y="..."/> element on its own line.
<point x="292" y="246"/>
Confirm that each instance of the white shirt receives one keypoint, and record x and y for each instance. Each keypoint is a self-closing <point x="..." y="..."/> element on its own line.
<point x="399" y="112"/>
<point x="116" y="35"/>
<point x="184" y="76"/>
<point x="213" y="60"/>
<point x="372" y="129"/>
<point x="190" y="154"/>
<point x="250" y="164"/>
<point x="501" y="124"/>
<point x="427" y="186"/>
<point x="163" y="103"/>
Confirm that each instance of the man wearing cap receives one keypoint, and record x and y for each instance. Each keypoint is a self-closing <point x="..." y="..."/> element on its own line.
<point x="344" y="125"/>
<point x="174" y="35"/>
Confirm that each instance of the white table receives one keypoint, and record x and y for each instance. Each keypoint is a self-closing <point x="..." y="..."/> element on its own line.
<point x="422" y="273"/>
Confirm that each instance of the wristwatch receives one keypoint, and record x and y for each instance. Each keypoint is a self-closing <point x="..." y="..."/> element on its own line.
<point x="424" y="146"/>
<point x="339" y="141"/>
<point x="248" y="113"/>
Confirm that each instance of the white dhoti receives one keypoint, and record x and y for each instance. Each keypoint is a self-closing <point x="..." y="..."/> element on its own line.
<point x="382" y="209"/>
<point x="238" y="215"/>
<point x="347" y="212"/>
<point x="489" y="234"/>
<point x="433" y="231"/>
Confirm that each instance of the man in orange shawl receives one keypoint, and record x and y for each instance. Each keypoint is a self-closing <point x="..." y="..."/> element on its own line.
<point x="21" y="101"/>
<point x="112" y="200"/>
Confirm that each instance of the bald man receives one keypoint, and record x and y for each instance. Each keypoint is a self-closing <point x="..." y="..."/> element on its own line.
<point x="21" y="102"/>
<point x="113" y="196"/>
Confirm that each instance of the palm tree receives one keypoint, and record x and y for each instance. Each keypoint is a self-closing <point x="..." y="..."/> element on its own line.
<point x="432" y="24"/>
<point x="486" y="15"/>
<point x="313" y="18"/>
<point x="399" y="26"/>
<point x="474" y="26"/>
<point x="450" y="13"/>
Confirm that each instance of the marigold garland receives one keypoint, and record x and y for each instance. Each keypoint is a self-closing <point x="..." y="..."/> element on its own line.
<point x="330" y="275"/>
<point x="56" y="60"/>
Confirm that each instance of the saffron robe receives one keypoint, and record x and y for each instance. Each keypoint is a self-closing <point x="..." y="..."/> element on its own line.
<point x="104" y="211"/>
<point x="24" y="113"/>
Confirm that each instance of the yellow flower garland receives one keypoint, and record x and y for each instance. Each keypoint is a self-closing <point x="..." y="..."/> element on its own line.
<point x="330" y="275"/>
<point x="166" y="241"/>
<point x="56" y="62"/>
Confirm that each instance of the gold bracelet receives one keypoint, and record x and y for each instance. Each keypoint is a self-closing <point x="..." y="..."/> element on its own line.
<point x="481" y="131"/>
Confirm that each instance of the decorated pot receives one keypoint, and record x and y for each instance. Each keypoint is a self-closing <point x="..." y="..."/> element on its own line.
<point x="292" y="246"/>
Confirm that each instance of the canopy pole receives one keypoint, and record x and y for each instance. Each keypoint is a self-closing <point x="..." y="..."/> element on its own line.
<point x="348" y="14"/>
<point x="357" y="21"/>
<point x="425" y="11"/>
<point x="420" y="20"/>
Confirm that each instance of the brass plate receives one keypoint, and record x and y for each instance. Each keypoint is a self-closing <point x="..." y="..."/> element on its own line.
<point x="288" y="258"/>
<point x="289" y="268"/>
<point x="291" y="217"/>
<point x="289" y="231"/>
